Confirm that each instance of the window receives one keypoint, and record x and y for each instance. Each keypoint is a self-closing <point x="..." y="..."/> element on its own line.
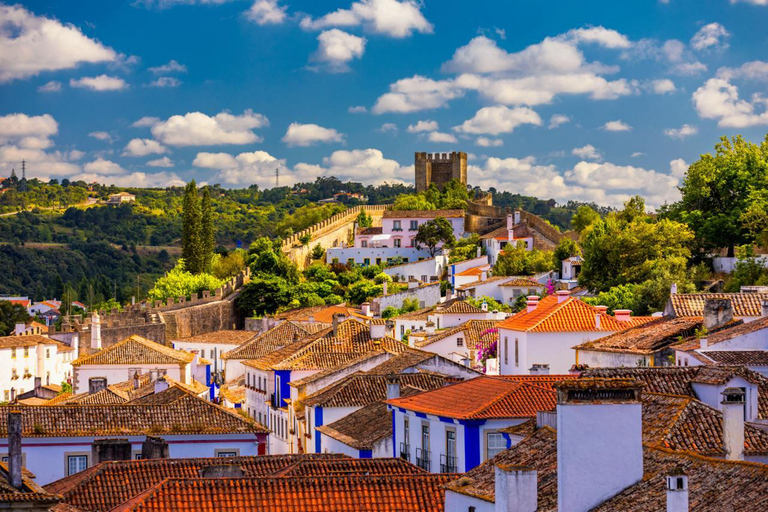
<point x="137" y="456"/>
<point x="414" y="225"/>
<point x="506" y="350"/>
<point x="402" y="331"/>
<point x="364" y="243"/>
<point x="459" y="342"/>
<point x="226" y="453"/>
<point x="406" y="429"/>
<point x="366" y="261"/>
<point x="277" y="391"/>
<point x="378" y="261"/>
<point x="398" y="242"/>
<point x="14" y="375"/>
<point x="26" y="351"/>
<point x="448" y="462"/>
<point x="517" y="352"/>
<point x="13" y="352"/>
<point x="495" y="444"/>
<point x="248" y="380"/>
<point x="202" y="353"/>
<point x="76" y="463"/>
<point x="396" y="226"/>
<point x="425" y="437"/>
<point x="351" y="261"/>
<point x="47" y="353"/>
<point x="6" y="395"/>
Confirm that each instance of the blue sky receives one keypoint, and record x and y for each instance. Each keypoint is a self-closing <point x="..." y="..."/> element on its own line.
<point x="590" y="101"/>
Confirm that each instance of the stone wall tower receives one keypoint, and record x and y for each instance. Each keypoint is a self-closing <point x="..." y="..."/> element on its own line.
<point x="439" y="168"/>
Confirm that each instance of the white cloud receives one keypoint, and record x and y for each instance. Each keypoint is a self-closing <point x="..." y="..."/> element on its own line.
<point x="165" y="81"/>
<point x="146" y="121"/>
<point x="637" y="154"/>
<point x="681" y="133"/>
<point x="52" y="86"/>
<point x="390" y="17"/>
<point x="99" y="83"/>
<point x="753" y="2"/>
<point x="359" y="109"/>
<point x="439" y="137"/>
<point x="103" y="167"/>
<point x="363" y="165"/>
<point x="588" y="152"/>
<point x="32" y="44"/>
<point x="388" y="128"/>
<point x="143" y="147"/>
<point x="662" y="86"/>
<point x="161" y="162"/>
<point x="602" y="36"/>
<point x="498" y="119"/>
<point x="754" y="70"/>
<point x="557" y="120"/>
<point x="245" y="169"/>
<point x="616" y="126"/>
<point x="336" y="48"/>
<point x="678" y="168"/>
<point x="487" y="142"/>
<point x="712" y="36"/>
<point x="719" y="99"/>
<point x="171" y="67"/>
<point x="198" y="129"/>
<point x="656" y="187"/>
<point x="674" y="53"/>
<point x="308" y="134"/>
<point x="103" y="136"/>
<point x="40" y="164"/>
<point x="14" y="127"/>
<point x="423" y="126"/>
<point x="417" y="93"/>
<point x="134" y="179"/>
<point x="266" y="12"/>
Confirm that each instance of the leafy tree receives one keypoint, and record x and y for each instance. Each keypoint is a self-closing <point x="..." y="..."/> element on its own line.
<point x="265" y="294"/>
<point x="191" y="239"/>
<point x="566" y="248"/>
<point x="516" y="260"/>
<point x="625" y="296"/>
<point x="433" y="232"/>
<point x="493" y="304"/>
<point x="584" y="217"/>
<point x="266" y="256"/>
<point x="207" y="231"/>
<point x="748" y="270"/>
<point x="465" y="248"/>
<point x="318" y="253"/>
<point x="305" y="239"/>
<point x="412" y="202"/>
<point x="10" y="315"/>
<point x="228" y="265"/>
<point x="454" y="196"/>
<point x="363" y="291"/>
<point x="364" y="220"/>
<point x="181" y="283"/>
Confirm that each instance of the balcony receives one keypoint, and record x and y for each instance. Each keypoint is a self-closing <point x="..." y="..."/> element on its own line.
<point x="423" y="459"/>
<point x="405" y="451"/>
<point x="274" y="401"/>
<point x="448" y="464"/>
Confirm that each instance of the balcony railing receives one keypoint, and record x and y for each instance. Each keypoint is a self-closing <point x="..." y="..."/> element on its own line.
<point x="423" y="459"/>
<point x="448" y="464"/>
<point x="405" y="451"/>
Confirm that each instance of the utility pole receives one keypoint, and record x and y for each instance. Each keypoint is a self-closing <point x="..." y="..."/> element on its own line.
<point x="277" y="177"/>
<point x="23" y="182"/>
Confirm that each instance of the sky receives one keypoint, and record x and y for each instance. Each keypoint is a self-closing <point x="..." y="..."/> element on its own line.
<point x="587" y="101"/>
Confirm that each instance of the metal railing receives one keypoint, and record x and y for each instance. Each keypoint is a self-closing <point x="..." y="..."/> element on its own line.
<point x="423" y="459"/>
<point x="405" y="451"/>
<point x="448" y="464"/>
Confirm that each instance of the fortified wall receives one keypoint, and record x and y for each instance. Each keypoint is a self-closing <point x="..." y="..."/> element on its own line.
<point x="439" y="168"/>
<point x="482" y="217"/>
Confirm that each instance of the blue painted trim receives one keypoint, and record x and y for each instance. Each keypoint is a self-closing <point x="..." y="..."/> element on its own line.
<point x="445" y="419"/>
<point x="238" y="406"/>
<point x="507" y="439"/>
<point x="404" y="411"/>
<point x="211" y="391"/>
<point x="365" y="454"/>
<point x="285" y="389"/>
<point x="318" y="423"/>
<point x="420" y="415"/>
<point x="394" y="435"/>
<point x="472" y="443"/>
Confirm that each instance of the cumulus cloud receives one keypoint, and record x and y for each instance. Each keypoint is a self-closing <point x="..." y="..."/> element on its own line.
<point x="99" y="83"/>
<point x="712" y="36"/>
<point x="498" y="119"/>
<point x="146" y="121"/>
<point x="266" y="12"/>
<point x="488" y="142"/>
<point x="588" y="152"/>
<point x="674" y="53"/>
<point x="143" y="147"/>
<point x="364" y="165"/>
<point x="161" y="162"/>
<point x="681" y="133"/>
<point x="171" y="67"/>
<point x="423" y="126"/>
<point x="395" y="18"/>
<point x="52" y="86"/>
<point x="754" y="70"/>
<point x="103" y="136"/>
<point x="198" y="129"/>
<point x="417" y="93"/>
<point x="308" y="134"/>
<point x="103" y="167"/>
<point x="616" y="126"/>
<point x="244" y="169"/>
<point x="165" y="81"/>
<point x="607" y="38"/>
<point x="661" y="86"/>
<point x="637" y="154"/>
<point x="678" y="168"/>
<point x="14" y="127"/>
<point x="32" y="44"/>
<point x="388" y="128"/>
<point x="336" y="48"/>
<point x="134" y="179"/>
<point x="557" y="120"/>
<point x="719" y="99"/>
<point x="439" y="137"/>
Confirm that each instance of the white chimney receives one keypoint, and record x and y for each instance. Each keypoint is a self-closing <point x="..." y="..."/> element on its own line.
<point x="95" y="331"/>
<point x="516" y="489"/>
<point x="733" y="423"/>
<point x="430" y="327"/>
<point x="517" y="218"/>
<point x="483" y="275"/>
<point x="533" y="302"/>
<point x="484" y="306"/>
<point x="311" y="319"/>
<point x="366" y="308"/>
<point x="599" y="440"/>
<point x="539" y="369"/>
<point x="597" y="321"/>
<point x="562" y="295"/>
<point x="161" y="385"/>
<point x="673" y="289"/>
<point x="479" y="251"/>
<point x="384" y="287"/>
<point x="20" y="329"/>
<point x="703" y="343"/>
<point x="677" y="492"/>
<point x="622" y="315"/>
<point x="378" y="330"/>
<point x="393" y="387"/>
<point x="765" y="308"/>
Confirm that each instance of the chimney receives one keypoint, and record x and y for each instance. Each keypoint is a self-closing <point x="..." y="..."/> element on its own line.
<point x="40" y="371"/>
<point x="622" y="315"/>
<point x="483" y="275"/>
<point x="765" y="308"/>
<point x="484" y="306"/>
<point x="597" y="321"/>
<point x="516" y="488"/>
<point x="562" y="295"/>
<point x="516" y="218"/>
<point x="222" y="471"/>
<point x="337" y="319"/>
<point x="154" y="448"/>
<point x="20" y="329"/>
<point x="673" y="289"/>
<point x="161" y="385"/>
<point x="366" y="308"/>
<point x="533" y="302"/>
<point x="136" y="380"/>
<point x="539" y="369"/>
<point x="733" y="423"/>
<point x="430" y="327"/>
<point x="703" y="343"/>
<point x="378" y="330"/>
<point x="599" y="440"/>
<point x="384" y="287"/>
<point x="95" y="331"/>
<point x="717" y="312"/>
<point x="103" y="450"/>
<point x="479" y="251"/>
<point x="677" y="491"/>
<point x="393" y="387"/>
<point x="14" y="448"/>
<point x="311" y="319"/>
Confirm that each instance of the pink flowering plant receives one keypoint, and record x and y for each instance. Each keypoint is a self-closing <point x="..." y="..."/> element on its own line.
<point x="488" y="351"/>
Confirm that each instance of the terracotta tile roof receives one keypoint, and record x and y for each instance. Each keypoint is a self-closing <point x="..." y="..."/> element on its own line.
<point x="118" y="393"/>
<point x="234" y="391"/>
<point x="491" y="279"/>
<point x="321" y="314"/>
<point x="570" y="315"/>
<point x="422" y="493"/>
<point x="63" y="397"/>
<point x="314" y="467"/>
<point x="135" y="350"/>
<point x="420" y="314"/>
<point x="363" y="428"/>
<point x="221" y="337"/>
<point x="502" y="231"/>
<point x="542" y="381"/>
<point x="677" y="380"/>
<point x="692" y="304"/>
<point x="361" y="389"/>
<point x="735" y="357"/>
<point x="370" y="231"/>
<point x="476" y="334"/>
<point x="458" y="307"/>
<point x="33" y="401"/>
<point x="195" y="387"/>
<point x="30" y="493"/>
<point x="363" y="359"/>
<point x="474" y="271"/>
<point x="728" y="332"/>
<point x="277" y="337"/>
<point x="187" y="415"/>
<point x="647" y="338"/>
<point x="30" y="340"/>
<point x="405" y="360"/>
<point x="481" y="398"/>
<point x="526" y="282"/>
<point x="106" y="485"/>
<point x="422" y="214"/>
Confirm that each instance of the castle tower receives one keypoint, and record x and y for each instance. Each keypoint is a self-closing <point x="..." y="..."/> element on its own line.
<point x="439" y="168"/>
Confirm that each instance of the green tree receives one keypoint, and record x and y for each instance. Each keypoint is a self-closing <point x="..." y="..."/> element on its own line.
<point x="625" y="296"/>
<point x="191" y="238"/>
<point x="207" y="231"/>
<point x="265" y="295"/>
<point x="265" y="256"/>
<point x="317" y="252"/>
<point x="748" y="270"/>
<point x="583" y="217"/>
<point x="566" y="248"/>
<point x="412" y="202"/>
<point x="178" y="282"/>
<point x="10" y="315"/>
<point x="364" y="220"/>
<point x="518" y="261"/>
<point x="433" y="232"/>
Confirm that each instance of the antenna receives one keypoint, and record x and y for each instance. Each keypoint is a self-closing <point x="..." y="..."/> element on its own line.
<point x="23" y="183"/>
<point x="277" y="177"/>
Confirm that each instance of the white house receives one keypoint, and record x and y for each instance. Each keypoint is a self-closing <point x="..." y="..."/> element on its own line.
<point x="461" y="343"/>
<point x="545" y="332"/>
<point x="426" y="271"/>
<point x="456" y="313"/>
<point x="571" y="268"/>
<point x="26" y="358"/>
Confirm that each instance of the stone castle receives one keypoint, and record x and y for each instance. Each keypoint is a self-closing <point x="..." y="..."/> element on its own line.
<point x="440" y="168"/>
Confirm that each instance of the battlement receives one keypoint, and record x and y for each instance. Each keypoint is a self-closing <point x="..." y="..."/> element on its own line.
<point x="441" y="157"/>
<point x="439" y="169"/>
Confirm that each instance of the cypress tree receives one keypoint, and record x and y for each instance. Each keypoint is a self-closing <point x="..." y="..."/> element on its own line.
<point x="191" y="246"/>
<point x="207" y="231"/>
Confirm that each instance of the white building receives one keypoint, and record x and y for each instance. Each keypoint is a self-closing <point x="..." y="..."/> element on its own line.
<point x="25" y="358"/>
<point x="426" y="271"/>
<point x="461" y="343"/>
